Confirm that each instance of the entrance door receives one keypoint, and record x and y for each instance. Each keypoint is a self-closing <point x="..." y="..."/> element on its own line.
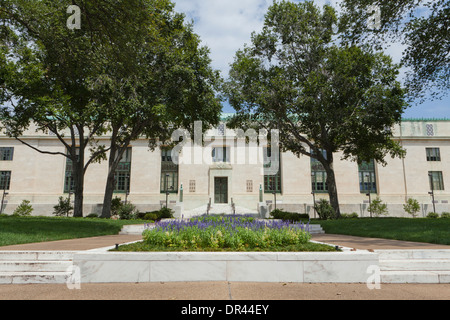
<point x="220" y="190"/>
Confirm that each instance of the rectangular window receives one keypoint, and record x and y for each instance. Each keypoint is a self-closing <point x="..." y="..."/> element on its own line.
<point x="367" y="177"/>
<point x="69" y="181"/>
<point x="122" y="175"/>
<point x="272" y="183"/>
<point x="6" y="154"/>
<point x="5" y="180"/>
<point x="436" y="180"/>
<point x="249" y="185"/>
<point x="318" y="175"/>
<point x="192" y="186"/>
<point x="169" y="172"/>
<point x="433" y="154"/>
<point x="221" y="154"/>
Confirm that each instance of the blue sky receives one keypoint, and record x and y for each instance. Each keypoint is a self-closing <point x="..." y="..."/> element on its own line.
<point x="226" y="25"/>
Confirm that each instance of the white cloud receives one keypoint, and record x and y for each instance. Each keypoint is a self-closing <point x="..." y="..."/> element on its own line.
<point x="225" y="26"/>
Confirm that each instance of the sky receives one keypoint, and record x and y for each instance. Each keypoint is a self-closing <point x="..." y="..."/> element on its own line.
<point x="224" y="26"/>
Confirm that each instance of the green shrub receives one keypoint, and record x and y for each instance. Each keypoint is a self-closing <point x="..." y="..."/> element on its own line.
<point x="278" y="214"/>
<point x="63" y="208"/>
<point x="352" y="215"/>
<point x="24" y="209"/>
<point x="116" y="204"/>
<point x="412" y="207"/>
<point x="325" y="210"/>
<point x="127" y="211"/>
<point x="140" y="215"/>
<point x="432" y="215"/>
<point x="151" y="216"/>
<point x="288" y="216"/>
<point x="165" y="213"/>
<point x="92" y="215"/>
<point x="445" y="215"/>
<point x="378" y="208"/>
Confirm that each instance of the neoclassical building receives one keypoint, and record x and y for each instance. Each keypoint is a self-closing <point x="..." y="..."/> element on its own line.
<point x="229" y="173"/>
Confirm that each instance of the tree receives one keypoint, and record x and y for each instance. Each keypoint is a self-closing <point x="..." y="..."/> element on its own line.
<point x="422" y="26"/>
<point x="169" y="84"/>
<point x="45" y="80"/>
<point x="51" y="74"/>
<point x="412" y="207"/>
<point x="378" y="208"/>
<point x="323" y="97"/>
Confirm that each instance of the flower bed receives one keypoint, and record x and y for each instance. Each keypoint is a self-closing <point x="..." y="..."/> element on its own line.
<point x="227" y="233"/>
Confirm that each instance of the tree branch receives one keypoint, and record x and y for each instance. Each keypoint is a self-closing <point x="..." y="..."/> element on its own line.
<point x="41" y="151"/>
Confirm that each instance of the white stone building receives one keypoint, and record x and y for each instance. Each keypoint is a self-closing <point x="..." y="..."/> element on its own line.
<point x="227" y="171"/>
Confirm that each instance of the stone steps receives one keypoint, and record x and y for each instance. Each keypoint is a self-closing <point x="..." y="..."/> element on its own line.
<point x="34" y="277"/>
<point x="35" y="267"/>
<point x="414" y="266"/>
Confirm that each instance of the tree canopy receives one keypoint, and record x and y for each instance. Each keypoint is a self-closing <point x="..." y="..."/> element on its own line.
<point x="324" y="97"/>
<point x="131" y="68"/>
<point x="423" y="27"/>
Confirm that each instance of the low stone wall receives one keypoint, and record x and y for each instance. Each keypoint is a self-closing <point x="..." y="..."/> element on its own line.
<point x="308" y="267"/>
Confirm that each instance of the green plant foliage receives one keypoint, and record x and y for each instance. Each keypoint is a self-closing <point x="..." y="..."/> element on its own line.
<point x="378" y="208"/>
<point x="433" y="215"/>
<point x="24" y="209"/>
<point x="63" y="208"/>
<point x="412" y="207"/>
<point x="226" y="232"/>
<point x="325" y="210"/>
<point x="127" y="211"/>
<point x="445" y="215"/>
<point x="288" y="216"/>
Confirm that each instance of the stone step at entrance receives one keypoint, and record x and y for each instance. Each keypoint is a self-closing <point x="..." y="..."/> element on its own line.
<point x="414" y="266"/>
<point x="35" y="267"/>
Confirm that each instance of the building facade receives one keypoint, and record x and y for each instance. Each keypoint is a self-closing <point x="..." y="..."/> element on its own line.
<point x="229" y="172"/>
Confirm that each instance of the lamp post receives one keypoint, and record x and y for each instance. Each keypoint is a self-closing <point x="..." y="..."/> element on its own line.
<point x="314" y="203"/>
<point x="260" y="193"/>
<point x="127" y="193"/>
<point x="181" y="193"/>
<point x="3" y="200"/>
<point x="313" y="180"/>
<point x="167" y="189"/>
<point x="369" y="193"/>
<point x="370" y="202"/>
<point x="432" y="192"/>
<point x="275" y="199"/>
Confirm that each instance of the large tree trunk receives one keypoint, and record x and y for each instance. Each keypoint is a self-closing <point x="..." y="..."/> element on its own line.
<point x="109" y="189"/>
<point x="115" y="154"/>
<point x="331" y="182"/>
<point x="78" y="175"/>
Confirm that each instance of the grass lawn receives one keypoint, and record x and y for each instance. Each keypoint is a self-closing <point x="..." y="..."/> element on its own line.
<point x="425" y="230"/>
<point x="21" y="230"/>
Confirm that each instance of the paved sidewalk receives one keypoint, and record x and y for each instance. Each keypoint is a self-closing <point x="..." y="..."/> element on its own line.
<point x="225" y="291"/>
<point x="374" y="243"/>
<point x="76" y="244"/>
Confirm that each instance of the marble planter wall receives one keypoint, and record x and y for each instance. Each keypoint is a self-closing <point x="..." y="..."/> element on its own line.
<point x="339" y="267"/>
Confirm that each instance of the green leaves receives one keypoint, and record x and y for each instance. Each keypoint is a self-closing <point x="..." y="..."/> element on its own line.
<point x="421" y="26"/>
<point x="320" y="93"/>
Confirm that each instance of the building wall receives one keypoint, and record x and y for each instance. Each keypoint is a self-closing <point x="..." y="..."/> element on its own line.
<point x="40" y="177"/>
